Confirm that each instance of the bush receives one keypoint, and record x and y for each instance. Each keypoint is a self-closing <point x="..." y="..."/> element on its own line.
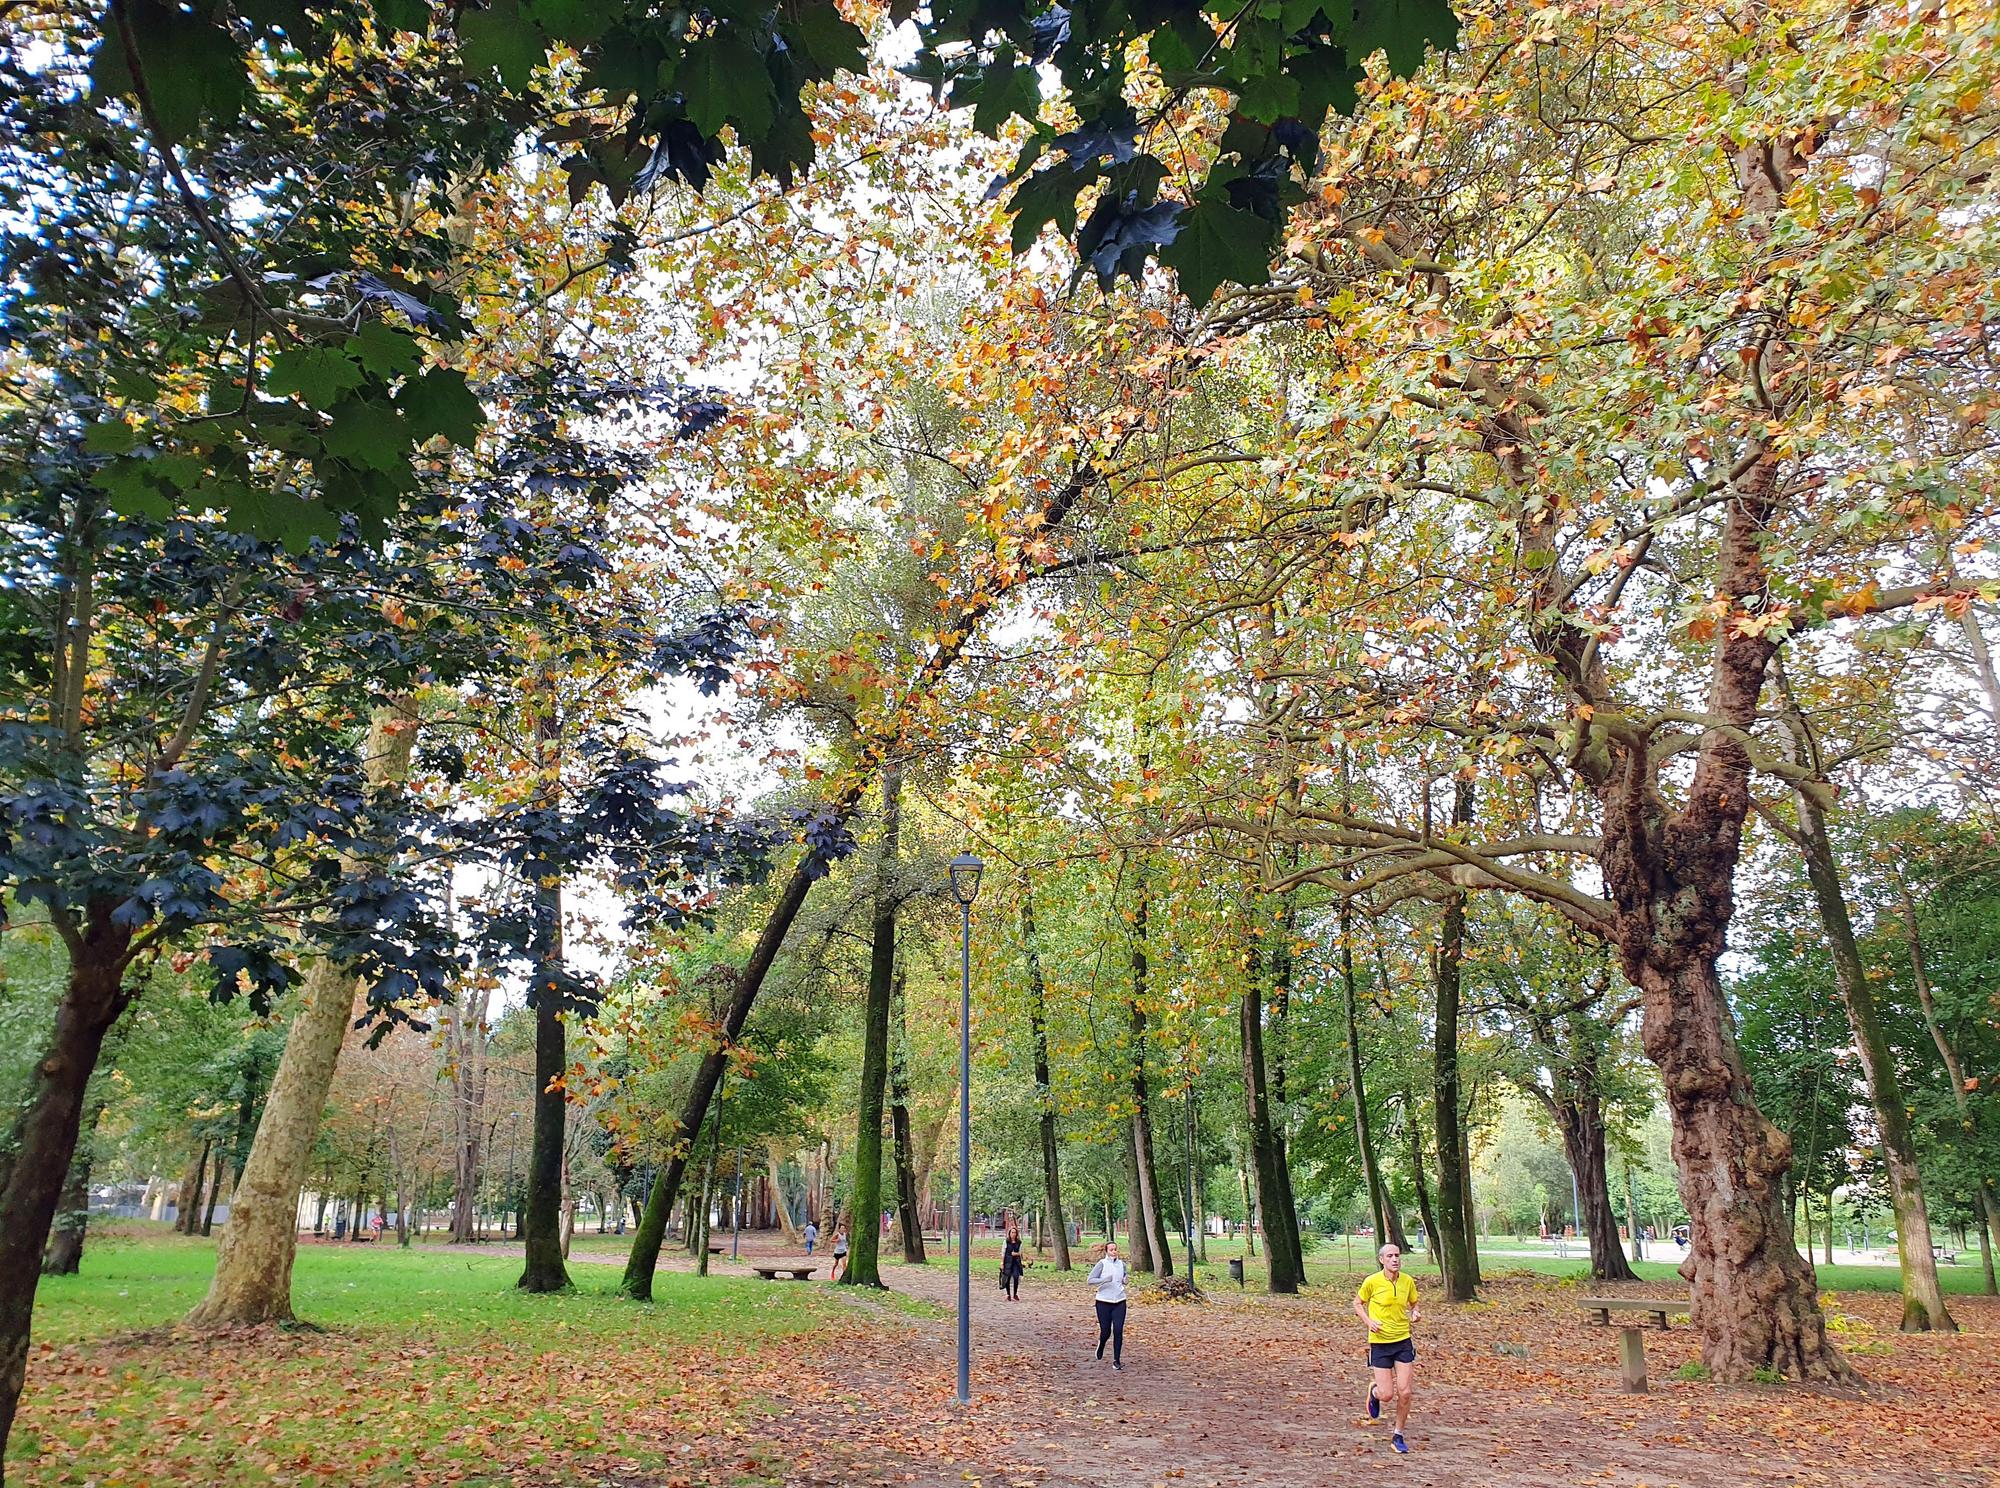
<point x="1694" y="1370"/>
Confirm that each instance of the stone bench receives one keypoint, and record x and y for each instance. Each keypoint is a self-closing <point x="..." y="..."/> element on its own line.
<point x="797" y="1273"/>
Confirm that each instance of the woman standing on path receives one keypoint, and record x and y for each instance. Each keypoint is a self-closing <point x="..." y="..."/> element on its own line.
<point x="1010" y="1262"/>
<point x="1108" y="1276"/>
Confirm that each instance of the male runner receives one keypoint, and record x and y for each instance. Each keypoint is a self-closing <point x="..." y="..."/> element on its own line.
<point x="1387" y="1303"/>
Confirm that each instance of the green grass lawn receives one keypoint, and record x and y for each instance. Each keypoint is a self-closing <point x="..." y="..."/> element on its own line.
<point x="424" y="1367"/>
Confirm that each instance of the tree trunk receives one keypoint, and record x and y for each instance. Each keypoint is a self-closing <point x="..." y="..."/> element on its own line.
<point x="187" y="1201"/>
<point x="865" y="1244"/>
<point x="1038" y="1032"/>
<point x="793" y="1235"/>
<point x="253" y="1262"/>
<point x="467" y="1038"/>
<point x="1581" y="1121"/>
<point x="1454" y="1220"/>
<point x="1281" y="1242"/>
<point x="909" y="1200"/>
<point x="214" y="1191"/>
<point x="1413" y="1129"/>
<point x="42" y="1134"/>
<point x="63" y="1255"/>
<point x="1151" y="1212"/>
<point x="1913" y="941"/>
<point x="1138" y="1238"/>
<point x="1923" y="1300"/>
<point x="651" y="1230"/>
<point x="541" y="1227"/>
<point x="1370" y="1174"/>
<point x="1249" y="1212"/>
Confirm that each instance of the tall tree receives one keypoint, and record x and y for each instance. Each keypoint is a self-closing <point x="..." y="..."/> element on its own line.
<point x="1038" y="1034"/>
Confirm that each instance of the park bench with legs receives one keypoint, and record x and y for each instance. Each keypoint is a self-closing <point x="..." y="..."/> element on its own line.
<point x="797" y="1273"/>
<point x="1631" y="1342"/>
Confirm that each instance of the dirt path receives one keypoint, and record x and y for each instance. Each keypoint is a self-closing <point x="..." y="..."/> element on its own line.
<point x="1247" y="1388"/>
<point x="1519" y="1392"/>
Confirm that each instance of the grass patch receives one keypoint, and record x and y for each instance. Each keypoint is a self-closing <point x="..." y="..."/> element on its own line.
<point x="431" y="1368"/>
<point x="1694" y="1370"/>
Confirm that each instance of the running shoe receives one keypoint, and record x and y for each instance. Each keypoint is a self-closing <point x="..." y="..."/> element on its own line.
<point x="1398" y="1443"/>
<point x="1374" y="1405"/>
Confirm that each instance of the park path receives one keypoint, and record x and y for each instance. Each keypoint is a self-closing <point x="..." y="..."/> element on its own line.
<point x="1247" y="1388"/>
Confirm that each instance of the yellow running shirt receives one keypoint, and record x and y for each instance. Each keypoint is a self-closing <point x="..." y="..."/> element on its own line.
<point x="1389" y="1305"/>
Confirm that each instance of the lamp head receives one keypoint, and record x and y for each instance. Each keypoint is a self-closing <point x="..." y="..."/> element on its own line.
<point x="965" y="871"/>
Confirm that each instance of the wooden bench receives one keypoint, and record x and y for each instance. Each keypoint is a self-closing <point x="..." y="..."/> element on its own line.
<point x="937" y="1239"/>
<point x="797" y="1273"/>
<point x="1631" y="1341"/>
<point x="1605" y="1306"/>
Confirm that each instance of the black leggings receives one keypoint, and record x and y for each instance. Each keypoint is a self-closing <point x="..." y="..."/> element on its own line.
<point x="1111" y="1325"/>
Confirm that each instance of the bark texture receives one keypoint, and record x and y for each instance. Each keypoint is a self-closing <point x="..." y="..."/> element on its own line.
<point x="1038" y="1033"/>
<point x="1454" y="1219"/>
<point x="1923" y="1300"/>
<point x="253" y="1262"/>
<point x="864" y="1245"/>
<point x="42" y="1137"/>
<point x="1151" y="1211"/>
<point x="1267" y="1158"/>
<point x="909" y="1197"/>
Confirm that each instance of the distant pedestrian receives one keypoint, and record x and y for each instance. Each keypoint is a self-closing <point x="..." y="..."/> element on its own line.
<point x="812" y="1236"/>
<point x="1108" y="1276"/>
<point x="1387" y="1303"/>
<point x="1010" y="1262"/>
<point x="839" y="1254"/>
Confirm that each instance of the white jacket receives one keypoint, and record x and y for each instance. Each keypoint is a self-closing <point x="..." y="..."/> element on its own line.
<point x="1108" y="1275"/>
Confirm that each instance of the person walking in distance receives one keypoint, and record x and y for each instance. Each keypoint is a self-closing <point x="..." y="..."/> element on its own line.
<point x="1108" y="1276"/>
<point x="1387" y="1303"/>
<point x="812" y="1236"/>
<point x="1010" y="1262"/>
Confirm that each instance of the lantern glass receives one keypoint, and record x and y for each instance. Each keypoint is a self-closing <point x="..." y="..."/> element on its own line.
<point x="965" y="871"/>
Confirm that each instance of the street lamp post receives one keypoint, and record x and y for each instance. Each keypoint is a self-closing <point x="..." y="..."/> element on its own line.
<point x="965" y="871"/>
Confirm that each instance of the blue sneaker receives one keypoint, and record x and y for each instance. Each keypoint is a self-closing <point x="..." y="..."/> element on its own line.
<point x="1374" y="1405"/>
<point x="1398" y="1443"/>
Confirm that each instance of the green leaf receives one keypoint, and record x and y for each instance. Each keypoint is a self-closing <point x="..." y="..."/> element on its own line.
<point x="113" y="438"/>
<point x="192" y="70"/>
<point x="318" y="374"/>
<point x="131" y="493"/>
<point x="366" y="433"/>
<point x="577" y="22"/>
<point x="1269" y="97"/>
<point x="439" y="403"/>
<point x="1218" y="243"/>
<point x="502" y="39"/>
<point x="829" y="38"/>
<point x="1402" y="28"/>
<point x="1006" y="89"/>
<point x="385" y="351"/>
<point x="1327" y="80"/>
<point x="724" y="81"/>
<point x="413" y="16"/>
<point x="1046" y="196"/>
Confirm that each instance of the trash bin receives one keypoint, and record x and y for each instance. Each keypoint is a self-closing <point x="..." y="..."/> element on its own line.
<point x="1236" y="1269"/>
